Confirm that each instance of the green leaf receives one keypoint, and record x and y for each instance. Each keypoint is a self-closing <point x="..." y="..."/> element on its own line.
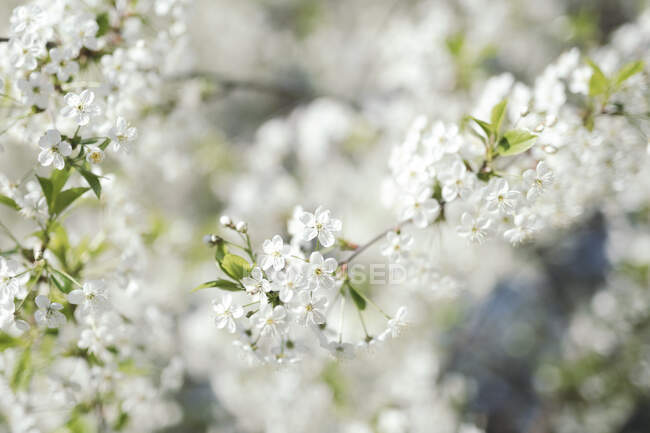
<point x="220" y="283"/>
<point x="220" y="251"/>
<point x="59" y="243"/>
<point x="58" y="179"/>
<point x="515" y="142"/>
<point x="486" y="127"/>
<point x="7" y="341"/>
<point x="627" y="71"/>
<point x="62" y="282"/>
<point x="22" y="370"/>
<point x="48" y="191"/>
<point x="93" y="181"/>
<point x="103" y="24"/>
<point x="496" y="117"/>
<point x="455" y="44"/>
<point x="66" y="198"/>
<point x="598" y="83"/>
<point x="7" y="201"/>
<point x="121" y="421"/>
<point x="357" y="298"/>
<point x="236" y="267"/>
<point x="105" y="144"/>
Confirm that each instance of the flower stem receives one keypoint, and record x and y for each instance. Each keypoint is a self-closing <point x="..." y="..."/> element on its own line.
<point x="372" y="241"/>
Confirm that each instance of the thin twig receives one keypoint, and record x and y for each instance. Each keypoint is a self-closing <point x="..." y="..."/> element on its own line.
<point x="374" y="240"/>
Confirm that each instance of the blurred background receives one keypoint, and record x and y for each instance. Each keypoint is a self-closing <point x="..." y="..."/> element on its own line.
<point x="279" y="103"/>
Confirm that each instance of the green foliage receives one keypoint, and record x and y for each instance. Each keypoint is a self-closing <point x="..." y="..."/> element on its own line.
<point x="598" y="83"/>
<point x="58" y="200"/>
<point x="236" y="267"/>
<point x="357" y="298"/>
<point x="9" y="202"/>
<point x="497" y="115"/>
<point x="121" y="421"/>
<point x="627" y="71"/>
<point x="103" y="23"/>
<point x="66" y="198"/>
<point x="220" y="283"/>
<point x="7" y="341"/>
<point x="22" y="370"/>
<point x="602" y="86"/>
<point x="516" y="141"/>
<point x="485" y="126"/>
<point x="220" y="251"/>
<point x="93" y="181"/>
<point x="61" y="281"/>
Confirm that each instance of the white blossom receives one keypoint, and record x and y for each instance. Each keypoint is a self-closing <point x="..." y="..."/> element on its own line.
<point x="321" y="225"/>
<point x="48" y="313"/>
<point x="53" y="149"/>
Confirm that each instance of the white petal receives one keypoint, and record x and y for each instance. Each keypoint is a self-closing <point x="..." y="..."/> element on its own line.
<point x="76" y="297"/>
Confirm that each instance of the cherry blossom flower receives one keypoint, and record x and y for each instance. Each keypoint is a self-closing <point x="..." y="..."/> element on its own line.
<point x="81" y="107"/>
<point x="319" y="271"/>
<point x="397" y="246"/>
<point x="48" y="313"/>
<point x="421" y="208"/>
<point x="474" y="229"/>
<point x="321" y="225"/>
<point x="275" y="253"/>
<point x="92" y="298"/>
<point x="227" y="313"/>
<point x="122" y="134"/>
<point x="310" y="309"/>
<point x="53" y="149"/>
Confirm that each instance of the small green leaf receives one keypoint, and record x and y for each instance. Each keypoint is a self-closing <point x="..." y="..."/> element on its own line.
<point x="220" y="283"/>
<point x="104" y="144"/>
<point x="48" y="192"/>
<point x="455" y="44"/>
<point x="89" y="140"/>
<point x="121" y="421"/>
<point x="357" y="298"/>
<point x="598" y="83"/>
<point x="627" y="71"/>
<point x="58" y="179"/>
<point x="235" y="267"/>
<point x="515" y="142"/>
<point x="103" y="23"/>
<point x="67" y="197"/>
<point x="220" y="251"/>
<point x="62" y="282"/>
<point x="496" y="117"/>
<point x="22" y="370"/>
<point x="93" y="181"/>
<point x="7" y="201"/>
<point x="486" y="127"/>
<point x="7" y="341"/>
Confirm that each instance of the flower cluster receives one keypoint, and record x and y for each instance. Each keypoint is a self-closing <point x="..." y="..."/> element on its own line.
<point x="72" y="73"/>
<point x="529" y="160"/>
<point x="289" y="290"/>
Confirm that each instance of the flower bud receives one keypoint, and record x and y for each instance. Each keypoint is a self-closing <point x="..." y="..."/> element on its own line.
<point x="241" y="227"/>
<point x="211" y="239"/>
<point x="225" y="220"/>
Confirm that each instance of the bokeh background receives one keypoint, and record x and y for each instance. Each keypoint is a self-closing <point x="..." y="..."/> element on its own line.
<point x="283" y="102"/>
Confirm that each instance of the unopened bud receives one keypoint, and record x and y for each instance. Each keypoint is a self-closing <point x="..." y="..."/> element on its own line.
<point x="211" y="239"/>
<point x="225" y="220"/>
<point x="539" y="128"/>
<point x="241" y="227"/>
